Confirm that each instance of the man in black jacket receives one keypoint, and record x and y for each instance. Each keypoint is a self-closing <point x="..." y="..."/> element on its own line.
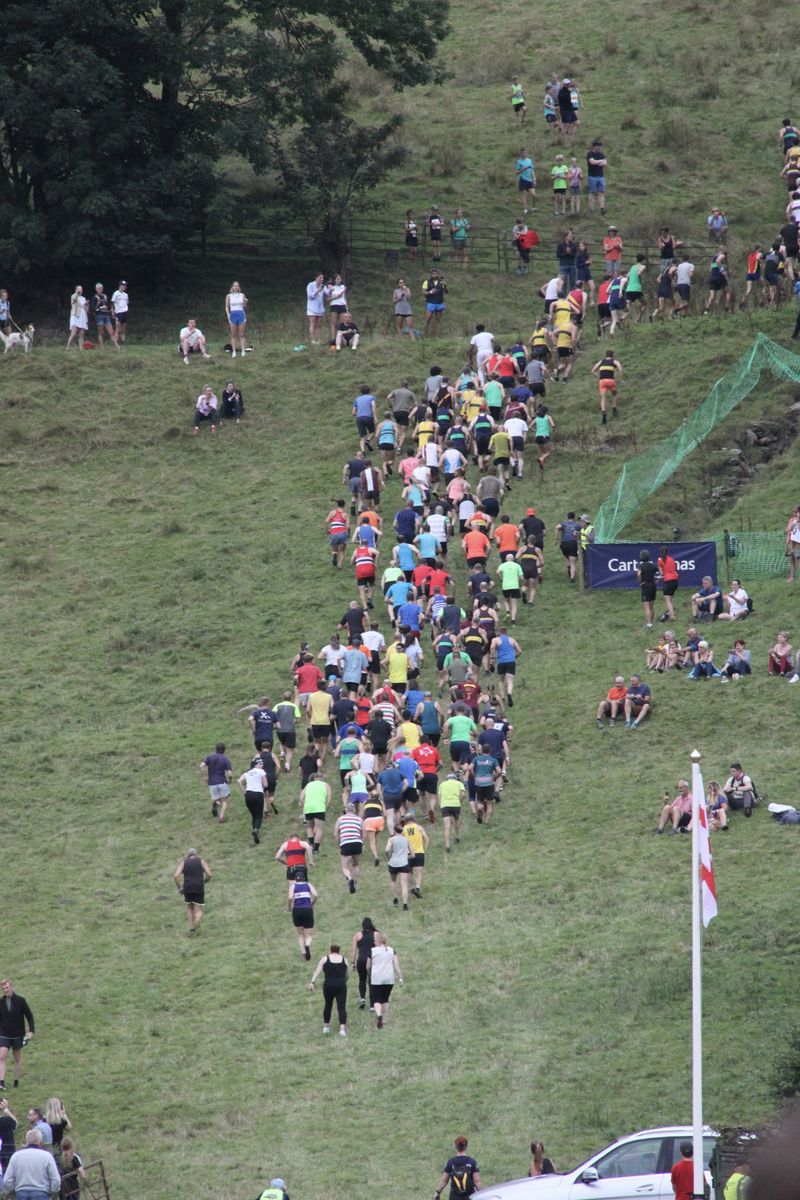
<point x="14" y="1012"/>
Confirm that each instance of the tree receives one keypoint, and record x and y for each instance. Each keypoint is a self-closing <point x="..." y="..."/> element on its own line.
<point x="114" y="115"/>
<point x="349" y="160"/>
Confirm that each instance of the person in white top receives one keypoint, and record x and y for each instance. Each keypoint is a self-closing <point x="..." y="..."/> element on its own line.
<point x="120" y="303"/>
<point x="317" y="293"/>
<point x="384" y="971"/>
<point x="553" y="289"/>
<point x="192" y="341"/>
<point x="337" y="303"/>
<point x="683" y="281"/>
<point x="78" y="317"/>
<point x="374" y="644"/>
<point x="236" y="309"/>
<point x="736" y="600"/>
<point x="481" y="347"/>
<point x="206" y="409"/>
<point x="517" y="430"/>
<point x="253" y="784"/>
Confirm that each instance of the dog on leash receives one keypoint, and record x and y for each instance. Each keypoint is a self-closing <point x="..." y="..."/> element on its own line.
<point x="22" y="337"/>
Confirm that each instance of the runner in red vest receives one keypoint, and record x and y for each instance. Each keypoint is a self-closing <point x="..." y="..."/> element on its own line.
<point x="298" y="856"/>
<point x="338" y="532"/>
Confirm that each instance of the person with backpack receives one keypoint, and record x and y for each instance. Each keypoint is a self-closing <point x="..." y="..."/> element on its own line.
<point x="275" y="1191"/>
<point x="461" y="1172"/>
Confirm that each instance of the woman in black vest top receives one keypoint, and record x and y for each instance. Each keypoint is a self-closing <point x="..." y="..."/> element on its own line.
<point x="363" y="941"/>
<point x="334" y="988"/>
<point x="190" y="880"/>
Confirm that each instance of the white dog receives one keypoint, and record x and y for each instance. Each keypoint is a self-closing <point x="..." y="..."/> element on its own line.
<point x="22" y="338"/>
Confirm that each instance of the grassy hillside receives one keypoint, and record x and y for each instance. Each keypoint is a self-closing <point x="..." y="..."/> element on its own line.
<point x="155" y="582"/>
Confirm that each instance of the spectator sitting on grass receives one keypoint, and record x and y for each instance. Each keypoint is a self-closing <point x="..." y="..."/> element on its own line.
<point x="716" y="806"/>
<point x="706" y="602"/>
<point x="666" y="654"/>
<point x="192" y="340"/>
<point x="704" y="663"/>
<point x="677" y="811"/>
<point x="690" y="649"/>
<point x="610" y="707"/>
<point x="739" y="790"/>
<point x="737" y="602"/>
<point x="638" y="703"/>
<point x="738" y="661"/>
<point x="780" y="656"/>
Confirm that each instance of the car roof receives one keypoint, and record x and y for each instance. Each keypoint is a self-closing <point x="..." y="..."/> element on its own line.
<point x="666" y="1131"/>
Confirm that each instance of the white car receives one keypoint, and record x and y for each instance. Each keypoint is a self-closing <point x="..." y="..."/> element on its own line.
<point x="634" y="1166"/>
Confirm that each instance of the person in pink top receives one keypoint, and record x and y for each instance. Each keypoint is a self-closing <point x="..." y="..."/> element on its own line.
<point x="678" y="811"/>
<point x="408" y="466"/>
<point x="206" y="409"/>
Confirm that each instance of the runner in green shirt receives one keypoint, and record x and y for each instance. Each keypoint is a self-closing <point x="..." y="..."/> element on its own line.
<point x="634" y="290"/>
<point x="459" y="731"/>
<point x="451" y="795"/>
<point x="511" y="576"/>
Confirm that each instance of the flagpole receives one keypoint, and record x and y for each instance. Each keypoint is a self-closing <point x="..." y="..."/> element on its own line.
<point x="697" y="986"/>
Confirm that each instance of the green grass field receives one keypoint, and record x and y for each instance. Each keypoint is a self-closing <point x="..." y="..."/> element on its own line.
<point x="154" y="582"/>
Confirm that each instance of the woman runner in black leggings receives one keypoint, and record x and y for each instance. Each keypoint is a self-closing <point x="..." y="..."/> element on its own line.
<point x="334" y="988"/>
<point x="363" y="941"/>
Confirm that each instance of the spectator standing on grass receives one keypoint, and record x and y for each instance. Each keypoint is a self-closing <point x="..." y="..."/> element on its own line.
<point x="793" y="538"/>
<point x="15" y="1013"/>
<point x="435" y="226"/>
<point x="73" y="1175"/>
<point x="566" y="252"/>
<point x="56" y="1116"/>
<point x="596" y="164"/>
<point x="78" y="318"/>
<point x="32" y="1174"/>
<point x="317" y="293"/>
<point x="574" y="179"/>
<point x="190" y="878"/>
<point x="401" y="299"/>
<point x="668" y="570"/>
<point x="461" y="1172"/>
<point x="337" y="303"/>
<point x="236" y="312"/>
<point x="5" y="310"/>
<point x="120" y="305"/>
<point x="434" y="289"/>
<point x="459" y="237"/>
<point x="612" y="251"/>
<point x="100" y="306"/>
<point x="558" y="174"/>
<point x="333" y="966"/>
<point x="646" y="578"/>
<point x="566" y="108"/>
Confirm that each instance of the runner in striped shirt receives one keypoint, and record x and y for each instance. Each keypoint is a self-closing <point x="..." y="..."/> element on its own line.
<point x="338" y="532"/>
<point x="349" y="830"/>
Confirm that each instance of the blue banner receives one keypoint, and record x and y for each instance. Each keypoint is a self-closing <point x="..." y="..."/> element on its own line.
<point x="614" y="565"/>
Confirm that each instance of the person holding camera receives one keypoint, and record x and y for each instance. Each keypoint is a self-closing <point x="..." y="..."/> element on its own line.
<point x="434" y="289"/>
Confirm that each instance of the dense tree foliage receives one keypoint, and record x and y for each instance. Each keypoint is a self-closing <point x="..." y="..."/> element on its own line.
<point x="114" y="114"/>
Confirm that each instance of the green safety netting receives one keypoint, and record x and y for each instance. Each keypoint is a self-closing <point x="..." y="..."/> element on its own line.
<point x="644" y="474"/>
<point x="755" y="554"/>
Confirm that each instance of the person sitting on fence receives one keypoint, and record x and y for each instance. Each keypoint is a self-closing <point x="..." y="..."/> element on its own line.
<point x="739" y="790"/>
<point x="613" y="702"/>
<point x="781" y="660"/>
<point x="677" y="811"/>
<point x="192" y="341"/>
<point x="347" y="333"/>
<point x="738" y="603"/>
<point x="668" y="653"/>
<point x="707" y="601"/>
<point x="638" y="703"/>
<point x="738" y="662"/>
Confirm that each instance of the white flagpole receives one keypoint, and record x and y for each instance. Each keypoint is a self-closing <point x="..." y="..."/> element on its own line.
<point x="697" y="985"/>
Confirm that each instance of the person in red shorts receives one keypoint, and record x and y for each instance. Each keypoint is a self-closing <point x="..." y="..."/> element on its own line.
<point x="364" y="559"/>
<point x="683" y="1173"/>
<point x="668" y="569"/>
<point x="607" y="370"/>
